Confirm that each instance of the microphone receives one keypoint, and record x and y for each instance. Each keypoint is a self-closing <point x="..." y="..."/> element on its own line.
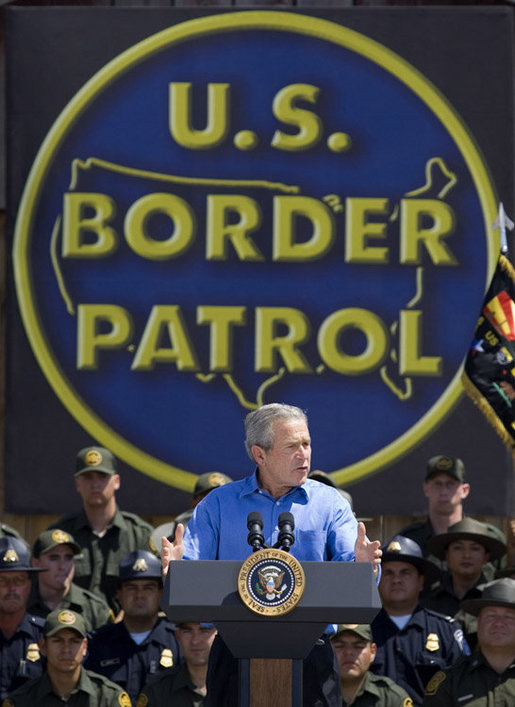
<point x="286" y="526"/>
<point x="255" y="538"/>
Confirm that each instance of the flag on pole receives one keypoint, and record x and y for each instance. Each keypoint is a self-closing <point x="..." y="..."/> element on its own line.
<point x="489" y="374"/>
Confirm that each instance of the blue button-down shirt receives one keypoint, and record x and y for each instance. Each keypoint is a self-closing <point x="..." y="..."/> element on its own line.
<point x="325" y="527"/>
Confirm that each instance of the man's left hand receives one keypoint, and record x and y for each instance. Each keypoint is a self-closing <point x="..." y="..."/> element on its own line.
<point x="367" y="550"/>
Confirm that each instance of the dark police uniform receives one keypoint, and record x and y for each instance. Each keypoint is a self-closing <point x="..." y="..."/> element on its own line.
<point x="97" y="568"/>
<point x="472" y="682"/>
<point x="91" y="691"/>
<point x="20" y="659"/>
<point x="411" y="656"/>
<point x="174" y="687"/>
<point x="94" y="609"/>
<point x="379" y="691"/>
<point x="113" y="653"/>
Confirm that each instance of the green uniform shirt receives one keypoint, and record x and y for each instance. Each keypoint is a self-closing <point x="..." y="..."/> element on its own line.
<point x="471" y="682"/>
<point x="380" y="691"/>
<point x="97" y="568"/>
<point x="173" y="687"/>
<point x="89" y="605"/>
<point x="92" y="691"/>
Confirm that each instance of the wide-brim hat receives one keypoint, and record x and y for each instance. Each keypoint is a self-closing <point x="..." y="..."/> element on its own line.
<point x="403" y="549"/>
<point x="500" y="592"/>
<point x="15" y="556"/>
<point x="467" y="529"/>
<point x="140" y="564"/>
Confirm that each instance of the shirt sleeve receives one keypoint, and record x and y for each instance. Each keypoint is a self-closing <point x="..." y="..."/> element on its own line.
<point x="202" y="532"/>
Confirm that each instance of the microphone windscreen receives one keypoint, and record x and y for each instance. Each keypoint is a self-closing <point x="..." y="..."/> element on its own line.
<point x="254" y="518"/>
<point x="286" y="517"/>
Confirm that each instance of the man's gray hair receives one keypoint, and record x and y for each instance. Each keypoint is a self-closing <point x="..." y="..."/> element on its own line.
<point x="259" y="424"/>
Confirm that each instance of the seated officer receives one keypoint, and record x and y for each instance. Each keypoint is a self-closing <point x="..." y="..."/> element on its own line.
<point x="54" y="551"/>
<point x="487" y="677"/>
<point x="466" y="547"/>
<point x="355" y="652"/>
<point x="413" y="643"/>
<point x="20" y="632"/>
<point x="65" y="681"/>
<point x="143" y="644"/>
<point x="185" y="683"/>
<point x="104" y="533"/>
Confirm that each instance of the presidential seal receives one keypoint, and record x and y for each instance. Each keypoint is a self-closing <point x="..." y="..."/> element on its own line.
<point x="271" y="582"/>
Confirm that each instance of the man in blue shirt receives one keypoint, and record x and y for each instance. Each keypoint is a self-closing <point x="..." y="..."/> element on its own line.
<point x="279" y="443"/>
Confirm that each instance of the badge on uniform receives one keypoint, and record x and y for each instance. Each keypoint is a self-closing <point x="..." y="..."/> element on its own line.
<point x="33" y="653"/>
<point x="166" y="659"/>
<point x="432" y="642"/>
<point x="124" y="700"/>
<point x="140" y="565"/>
<point x="11" y="556"/>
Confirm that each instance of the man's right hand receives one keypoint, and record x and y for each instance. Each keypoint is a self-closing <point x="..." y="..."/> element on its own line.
<point x="172" y="550"/>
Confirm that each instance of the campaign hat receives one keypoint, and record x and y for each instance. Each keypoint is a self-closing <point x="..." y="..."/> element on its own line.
<point x="15" y="556"/>
<point x="467" y="529"/>
<point x="403" y="549"/>
<point x="500" y="592"/>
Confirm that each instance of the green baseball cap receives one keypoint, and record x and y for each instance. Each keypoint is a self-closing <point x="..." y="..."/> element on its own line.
<point x="209" y="481"/>
<point x="49" y="539"/>
<point x="442" y="464"/>
<point x="95" y="459"/>
<point x="64" y="618"/>
<point x="361" y="630"/>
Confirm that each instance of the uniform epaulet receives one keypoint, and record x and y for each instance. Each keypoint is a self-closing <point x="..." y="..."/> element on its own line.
<point x="437" y="615"/>
<point x="136" y="519"/>
<point x="38" y="621"/>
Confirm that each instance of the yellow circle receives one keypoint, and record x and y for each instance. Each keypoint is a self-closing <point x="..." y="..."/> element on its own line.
<point x="271" y="555"/>
<point x="339" y="142"/>
<point x="246" y="140"/>
<point x="196" y="29"/>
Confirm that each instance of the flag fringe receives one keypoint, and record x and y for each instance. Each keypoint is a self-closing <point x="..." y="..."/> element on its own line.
<point x="507" y="267"/>
<point x="485" y="407"/>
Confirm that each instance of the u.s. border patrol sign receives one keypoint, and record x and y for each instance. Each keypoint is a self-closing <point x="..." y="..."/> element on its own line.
<point x="252" y="207"/>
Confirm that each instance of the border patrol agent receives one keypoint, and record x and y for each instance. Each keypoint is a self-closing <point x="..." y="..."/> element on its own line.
<point x="413" y="643"/>
<point x="144" y="643"/>
<point x="487" y="677"/>
<point x="204" y="485"/>
<point x="87" y="688"/>
<point x="94" y="609"/>
<point x="373" y="690"/>
<point x="20" y="659"/>
<point x="104" y="532"/>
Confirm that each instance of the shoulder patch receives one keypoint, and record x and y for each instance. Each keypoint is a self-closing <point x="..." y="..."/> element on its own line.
<point x="142" y="700"/>
<point x="408" y="702"/>
<point x="124" y="700"/>
<point x="435" y="682"/>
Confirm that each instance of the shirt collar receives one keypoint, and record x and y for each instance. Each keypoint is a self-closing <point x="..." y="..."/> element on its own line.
<point x="250" y="486"/>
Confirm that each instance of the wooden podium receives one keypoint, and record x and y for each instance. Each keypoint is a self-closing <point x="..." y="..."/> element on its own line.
<point x="271" y="648"/>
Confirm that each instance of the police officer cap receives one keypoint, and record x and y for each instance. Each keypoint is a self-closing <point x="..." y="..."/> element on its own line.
<point x="95" y="459"/>
<point x="467" y="529"/>
<point x="15" y="556"/>
<point x="49" y="539"/>
<point x="500" y="592"/>
<point x="442" y="464"/>
<point x="208" y="482"/>
<point x="64" y="618"/>
<point x="402" y="549"/>
<point x="139" y="564"/>
<point x="361" y="630"/>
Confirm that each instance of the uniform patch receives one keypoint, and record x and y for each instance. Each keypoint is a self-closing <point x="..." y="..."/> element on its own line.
<point x="124" y="700"/>
<point x="93" y="458"/>
<point x="435" y="682"/>
<point x="33" y="653"/>
<point x="432" y="642"/>
<point x="142" y="700"/>
<point x="66" y="617"/>
<point x="166" y="659"/>
<point x="408" y="702"/>
<point x="60" y="537"/>
<point x="217" y="479"/>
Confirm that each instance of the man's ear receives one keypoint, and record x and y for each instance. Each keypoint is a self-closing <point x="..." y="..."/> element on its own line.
<point x="42" y="645"/>
<point x="465" y="490"/>
<point x="258" y="453"/>
<point x="116" y="481"/>
<point x="373" y="650"/>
